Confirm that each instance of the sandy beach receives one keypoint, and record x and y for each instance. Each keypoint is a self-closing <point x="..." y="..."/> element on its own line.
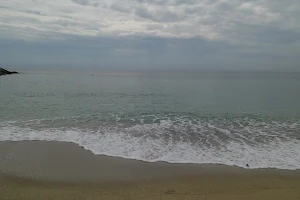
<point x="53" y="170"/>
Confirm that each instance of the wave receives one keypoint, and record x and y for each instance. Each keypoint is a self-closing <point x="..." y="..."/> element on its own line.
<point x="261" y="143"/>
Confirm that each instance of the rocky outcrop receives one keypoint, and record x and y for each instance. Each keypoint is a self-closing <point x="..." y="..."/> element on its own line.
<point x="5" y="72"/>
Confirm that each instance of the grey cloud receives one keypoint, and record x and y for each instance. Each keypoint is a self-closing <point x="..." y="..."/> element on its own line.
<point x="226" y="6"/>
<point x="155" y="26"/>
<point x="66" y="23"/>
<point x="186" y="2"/>
<point x="194" y="10"/>
<point x="10" y="21"/>
<point x="86" y="3"/>
<point x="157" y="15"/>
<point x="168" y="2"/>
<point x="158" y="2"/>
<point x="120" y="8"/>
<point x="81" y="2"/>
<point x="144" y="13"/>
<point x="35" y="12"/>
<point x="4" y="7"/>
<point x="95" y="4"/>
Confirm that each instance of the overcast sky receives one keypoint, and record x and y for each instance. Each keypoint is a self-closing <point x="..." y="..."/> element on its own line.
<point x="151" y="34"/>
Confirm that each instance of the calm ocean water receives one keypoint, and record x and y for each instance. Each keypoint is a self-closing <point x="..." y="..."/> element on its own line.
<point x="230" y="118"/>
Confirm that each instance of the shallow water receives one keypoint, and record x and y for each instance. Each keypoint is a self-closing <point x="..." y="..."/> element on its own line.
<point x="230" y="118"/>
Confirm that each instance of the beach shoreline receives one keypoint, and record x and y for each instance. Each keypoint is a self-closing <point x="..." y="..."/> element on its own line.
<point x="57" y="170"/>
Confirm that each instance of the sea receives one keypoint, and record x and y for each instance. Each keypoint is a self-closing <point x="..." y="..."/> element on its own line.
<point x="229" y="118"/>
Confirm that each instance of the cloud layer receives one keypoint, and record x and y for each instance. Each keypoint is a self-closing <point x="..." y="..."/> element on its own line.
<point x="244" y="26"/>
<point x="211" y="19"/>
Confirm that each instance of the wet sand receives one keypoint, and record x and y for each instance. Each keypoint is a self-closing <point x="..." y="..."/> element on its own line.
<point x="54" y="170"/>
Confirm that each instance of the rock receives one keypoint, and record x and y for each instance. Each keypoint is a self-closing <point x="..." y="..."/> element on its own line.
<point x="5" y="72"/>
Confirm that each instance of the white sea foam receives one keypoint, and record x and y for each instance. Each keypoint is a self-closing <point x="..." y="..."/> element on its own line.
<point x="261" y="145"/>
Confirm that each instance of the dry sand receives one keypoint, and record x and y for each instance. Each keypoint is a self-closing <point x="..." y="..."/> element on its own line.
<point x="53" y="170"/>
